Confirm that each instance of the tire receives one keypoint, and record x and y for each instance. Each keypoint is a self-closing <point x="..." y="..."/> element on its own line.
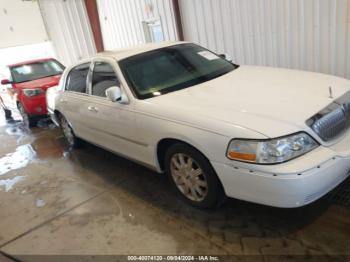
<point x="8" y="114"/>
<point x="28" y="121"/>
<point x="193" y="177"/>
<point x="72" y="141"/>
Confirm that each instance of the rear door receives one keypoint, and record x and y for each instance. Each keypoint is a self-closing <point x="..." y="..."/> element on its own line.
<point x="75" y="98"/>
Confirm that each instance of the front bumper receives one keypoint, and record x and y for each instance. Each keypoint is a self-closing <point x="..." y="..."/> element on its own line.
<point x="292" y="184"/>
<point x="34" y="105"/>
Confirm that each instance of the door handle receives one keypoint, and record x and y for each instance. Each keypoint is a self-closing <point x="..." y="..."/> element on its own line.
<point x="64" y="101"/>
<point x="92" y="109"/>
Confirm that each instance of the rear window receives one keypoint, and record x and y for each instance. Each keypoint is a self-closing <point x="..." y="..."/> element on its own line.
<point x="76" y="80"/>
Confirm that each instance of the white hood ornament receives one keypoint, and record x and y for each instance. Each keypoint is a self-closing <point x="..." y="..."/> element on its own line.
<point x="331" y="93"/>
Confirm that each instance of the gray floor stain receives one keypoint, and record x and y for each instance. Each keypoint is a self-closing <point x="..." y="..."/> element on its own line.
<point x="40" y="203"/>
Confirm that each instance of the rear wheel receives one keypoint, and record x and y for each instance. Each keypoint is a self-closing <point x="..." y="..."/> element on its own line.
<point x="72" y="140"/>
<point x="193" y="177"/>
<point x="28" y="121"/>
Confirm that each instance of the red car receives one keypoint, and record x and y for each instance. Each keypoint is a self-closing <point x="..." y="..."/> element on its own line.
<point x="29" y="81"/>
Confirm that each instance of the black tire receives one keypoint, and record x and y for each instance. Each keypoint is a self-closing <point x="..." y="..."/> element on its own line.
<point x="214" y="195"/>
<point x="72" y="141"/>
<point x="8" y="114"/>
<point x="28" y="121"/>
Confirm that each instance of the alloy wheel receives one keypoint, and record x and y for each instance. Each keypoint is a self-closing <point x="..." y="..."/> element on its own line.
<point x="189" y="177"/>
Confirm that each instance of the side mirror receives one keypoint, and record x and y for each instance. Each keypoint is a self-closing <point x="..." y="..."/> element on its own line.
<point x="5" y="82"/>
<point x="115" y="94"/>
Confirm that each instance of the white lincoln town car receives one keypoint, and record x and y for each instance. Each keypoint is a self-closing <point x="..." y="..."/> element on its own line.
<point x="272" y="136"/>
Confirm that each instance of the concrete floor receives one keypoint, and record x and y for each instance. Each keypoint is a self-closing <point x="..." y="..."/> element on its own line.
<point x="91" y="202"/>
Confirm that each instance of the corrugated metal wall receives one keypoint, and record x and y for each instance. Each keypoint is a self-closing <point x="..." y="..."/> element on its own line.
<point x="69" y="29"/>
<point x="302" y="34"/>
<point x="121" y="21"/>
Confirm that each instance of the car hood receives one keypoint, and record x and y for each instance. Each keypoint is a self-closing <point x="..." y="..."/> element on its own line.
<point x="43" y="83"/>
<point x="271" y="101"/>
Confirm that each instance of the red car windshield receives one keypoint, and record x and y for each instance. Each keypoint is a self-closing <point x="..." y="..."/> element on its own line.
<point x="37" y="70"/>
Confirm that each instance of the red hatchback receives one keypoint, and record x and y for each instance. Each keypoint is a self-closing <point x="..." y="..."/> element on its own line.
<point x="30" y="80"/>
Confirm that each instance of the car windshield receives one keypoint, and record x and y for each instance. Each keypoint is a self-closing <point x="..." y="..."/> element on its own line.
<point x="172" y="68"/>
<point x="37" y="70"/>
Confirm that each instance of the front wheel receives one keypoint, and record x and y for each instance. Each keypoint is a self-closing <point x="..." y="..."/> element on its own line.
<point x="193" y="177"/>
<point x="72" y="140"/>
<point x="28" y="121"/>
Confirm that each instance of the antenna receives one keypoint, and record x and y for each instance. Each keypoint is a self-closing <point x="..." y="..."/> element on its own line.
<point x="331" y="92"/>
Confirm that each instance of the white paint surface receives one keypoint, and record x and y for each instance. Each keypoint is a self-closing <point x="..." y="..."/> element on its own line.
<point x="247" y="103"/>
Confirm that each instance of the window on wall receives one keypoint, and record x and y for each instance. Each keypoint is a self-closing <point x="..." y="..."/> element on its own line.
<point x="76" y="80"/>
<point x="103" y="77"/>
<point x="153" y="31"/>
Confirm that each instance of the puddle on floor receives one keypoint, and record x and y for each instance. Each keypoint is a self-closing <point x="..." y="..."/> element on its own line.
<point x="16" y="129"/>
<point x="48" y="147"/>
<point x="46" y="123"/>
<point x="19" y="159"/>
<point x="33" y="145"/>
<point x="8" y="184"/>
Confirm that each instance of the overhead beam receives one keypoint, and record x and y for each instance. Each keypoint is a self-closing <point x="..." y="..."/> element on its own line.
<point x="92" y="12"/>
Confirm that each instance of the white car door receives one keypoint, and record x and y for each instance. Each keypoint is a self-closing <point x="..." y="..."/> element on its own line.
<point x="112" y="124"/>
<point x="73" y="101"/>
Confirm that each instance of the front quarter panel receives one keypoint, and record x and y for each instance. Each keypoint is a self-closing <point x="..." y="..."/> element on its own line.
<point x="155" y="124"/>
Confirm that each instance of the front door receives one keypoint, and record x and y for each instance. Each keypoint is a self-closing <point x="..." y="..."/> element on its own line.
<point x="112" y="123"/>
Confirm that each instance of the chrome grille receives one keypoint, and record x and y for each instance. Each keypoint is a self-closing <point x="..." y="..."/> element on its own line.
<point x="333" y="124"/>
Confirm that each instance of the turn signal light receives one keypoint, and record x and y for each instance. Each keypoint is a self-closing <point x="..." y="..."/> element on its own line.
<point x="242" y="156"/>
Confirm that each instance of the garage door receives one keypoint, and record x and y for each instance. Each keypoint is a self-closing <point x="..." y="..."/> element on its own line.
<point x="69" y="29"/>
<point x="29" y="29"/>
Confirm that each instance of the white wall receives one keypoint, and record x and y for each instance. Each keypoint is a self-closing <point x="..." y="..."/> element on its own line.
<point x="303" y="34"/>
<point x="121" y="20"/>
<point x="20" y="23"/>
<point x="69" y="29"/>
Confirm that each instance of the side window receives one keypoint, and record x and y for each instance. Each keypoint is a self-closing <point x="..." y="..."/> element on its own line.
<point x="76" y="80"/>
<point x="103" y="77"/>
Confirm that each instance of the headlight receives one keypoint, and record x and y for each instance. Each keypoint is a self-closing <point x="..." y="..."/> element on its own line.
<point x="272" y="151"/>
<point x="33" y="92"/>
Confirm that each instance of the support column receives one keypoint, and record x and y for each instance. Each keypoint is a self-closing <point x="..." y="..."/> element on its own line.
<point x="92" y="12"/>
<point x="178" y="20"/>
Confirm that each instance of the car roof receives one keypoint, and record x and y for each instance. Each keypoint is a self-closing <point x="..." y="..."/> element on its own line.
<point x="120" y="54"/>
<point x="31" y="62"/>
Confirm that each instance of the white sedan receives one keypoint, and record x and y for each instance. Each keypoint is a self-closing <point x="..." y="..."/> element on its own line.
<point x="272" y="136"/>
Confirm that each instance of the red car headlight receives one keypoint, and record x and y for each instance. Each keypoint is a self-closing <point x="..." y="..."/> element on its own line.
<point x="33" y="92"/>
